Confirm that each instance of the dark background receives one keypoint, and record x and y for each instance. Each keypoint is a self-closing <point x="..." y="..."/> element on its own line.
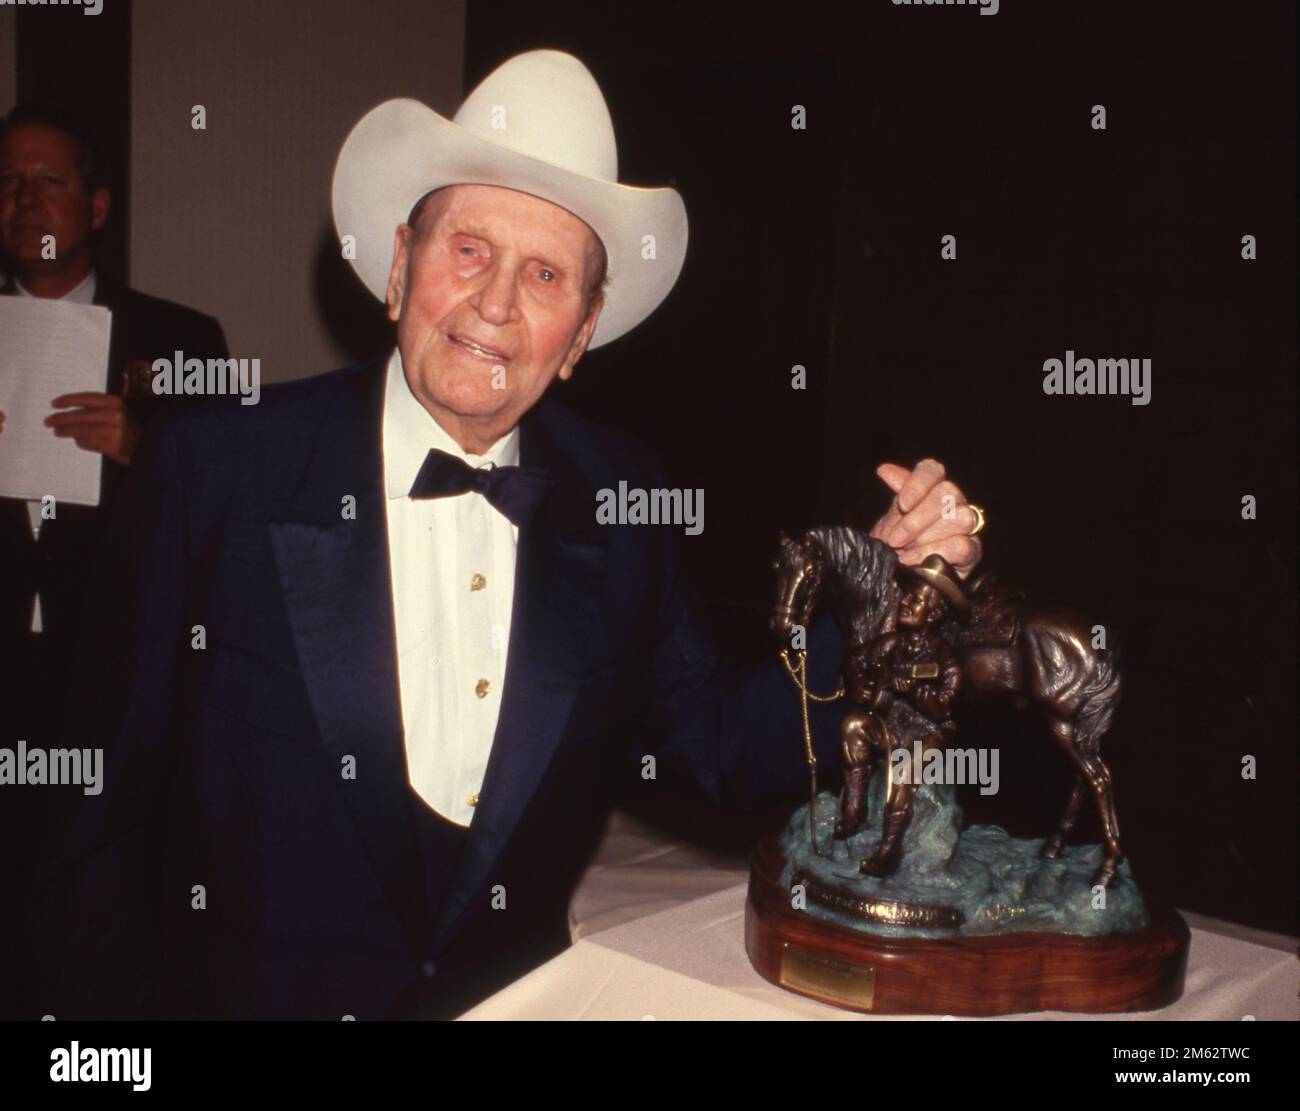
<point x="821" y="248"/>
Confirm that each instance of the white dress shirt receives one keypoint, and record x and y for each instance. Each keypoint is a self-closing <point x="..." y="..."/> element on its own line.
<point x="83" y="294"/>
<point x="453" y="576"/>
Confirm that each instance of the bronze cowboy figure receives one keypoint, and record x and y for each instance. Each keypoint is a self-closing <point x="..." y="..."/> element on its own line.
<point x="903" y="685"/>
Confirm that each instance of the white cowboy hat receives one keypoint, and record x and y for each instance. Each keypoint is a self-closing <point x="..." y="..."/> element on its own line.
<point x="538" y="124"/>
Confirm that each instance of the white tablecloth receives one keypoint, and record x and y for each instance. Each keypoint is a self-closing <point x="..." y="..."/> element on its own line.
<point x="660" y="935"/>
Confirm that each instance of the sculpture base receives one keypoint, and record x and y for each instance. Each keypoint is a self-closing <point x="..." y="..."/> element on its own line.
<point x="992" y="974"/>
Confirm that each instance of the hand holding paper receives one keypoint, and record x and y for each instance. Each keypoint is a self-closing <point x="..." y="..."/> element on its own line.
<point x="50" y="349"/>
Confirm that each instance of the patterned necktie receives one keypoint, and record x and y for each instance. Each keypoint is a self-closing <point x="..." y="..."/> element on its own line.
<point x="515" y="492"/>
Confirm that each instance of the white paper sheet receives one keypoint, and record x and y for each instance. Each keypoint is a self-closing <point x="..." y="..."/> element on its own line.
<point x="48" y="348"/>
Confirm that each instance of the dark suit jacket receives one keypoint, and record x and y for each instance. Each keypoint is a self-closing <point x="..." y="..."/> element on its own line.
<point x="224" y="765"/>
<point x="144" y="328"/>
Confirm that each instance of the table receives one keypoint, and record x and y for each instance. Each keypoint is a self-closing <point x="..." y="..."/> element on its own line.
<point x="659" y="934"/>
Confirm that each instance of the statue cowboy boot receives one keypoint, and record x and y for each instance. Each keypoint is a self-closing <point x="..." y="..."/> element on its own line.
<point x="898" y="812"/>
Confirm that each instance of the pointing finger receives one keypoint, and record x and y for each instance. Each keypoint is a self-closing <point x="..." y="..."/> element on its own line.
<point x="925" y="476"/>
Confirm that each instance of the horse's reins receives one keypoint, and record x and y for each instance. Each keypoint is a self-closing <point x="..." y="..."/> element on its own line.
<point x="800" y="678"/>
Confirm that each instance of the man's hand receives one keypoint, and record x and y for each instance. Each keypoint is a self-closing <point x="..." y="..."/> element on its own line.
<point x="929" y="514"/>
<point x="101" y="422"/>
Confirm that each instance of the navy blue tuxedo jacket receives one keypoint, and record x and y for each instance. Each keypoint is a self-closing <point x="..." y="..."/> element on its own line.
<point x="224" y="765"/>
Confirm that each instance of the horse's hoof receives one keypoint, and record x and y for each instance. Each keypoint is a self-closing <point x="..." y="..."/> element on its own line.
<point x="1051" y="848"/>
<point x="875" y="866"/>
<point x="1107" y="874"/>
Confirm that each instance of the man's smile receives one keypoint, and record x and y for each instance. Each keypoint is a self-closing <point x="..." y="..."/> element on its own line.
<point x="478" y="350"/>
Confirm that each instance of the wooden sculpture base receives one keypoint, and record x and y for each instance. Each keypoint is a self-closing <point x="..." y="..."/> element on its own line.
<point x="1141" y="970"/>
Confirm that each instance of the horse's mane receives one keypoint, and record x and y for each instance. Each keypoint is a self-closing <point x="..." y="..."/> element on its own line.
<point x="859" y="579"/>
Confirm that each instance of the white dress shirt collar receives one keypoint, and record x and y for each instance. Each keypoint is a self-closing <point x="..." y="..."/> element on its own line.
<point x="83" y="294"/>
<point x="409" y="433"/>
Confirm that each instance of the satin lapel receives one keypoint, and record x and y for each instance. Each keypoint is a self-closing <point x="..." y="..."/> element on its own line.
<point x="559" y="572"/>
<point x="334" y="573"/>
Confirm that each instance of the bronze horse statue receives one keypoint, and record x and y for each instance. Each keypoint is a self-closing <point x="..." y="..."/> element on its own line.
<point x="1004" y="645"/>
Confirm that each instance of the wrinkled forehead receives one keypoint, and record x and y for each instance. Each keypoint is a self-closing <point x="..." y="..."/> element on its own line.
<point x="38" y="142"/>
<point x="506" y="217"/>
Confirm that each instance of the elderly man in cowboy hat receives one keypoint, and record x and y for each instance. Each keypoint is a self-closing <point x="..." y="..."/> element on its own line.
<point x="385" y="667"/>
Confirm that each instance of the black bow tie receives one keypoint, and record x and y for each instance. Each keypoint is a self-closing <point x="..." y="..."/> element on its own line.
<point x="516" y="492"/>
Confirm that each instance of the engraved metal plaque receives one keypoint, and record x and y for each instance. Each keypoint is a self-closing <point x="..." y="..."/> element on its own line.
<point x="836" y="981"/>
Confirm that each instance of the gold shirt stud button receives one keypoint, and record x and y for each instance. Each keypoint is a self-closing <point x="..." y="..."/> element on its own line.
<point x="478" y="582"/>
<point x="482" y="687"/>
<point x="473" y="799"/>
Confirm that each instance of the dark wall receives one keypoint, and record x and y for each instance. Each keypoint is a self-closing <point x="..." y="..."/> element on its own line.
<point x="822" y="247"/>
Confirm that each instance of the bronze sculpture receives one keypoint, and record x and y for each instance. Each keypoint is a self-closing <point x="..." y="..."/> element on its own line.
<point x="903" y="682"/>
<point x="908" y="909"/>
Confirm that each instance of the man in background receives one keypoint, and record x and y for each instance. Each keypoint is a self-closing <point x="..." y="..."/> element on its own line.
<point x="52" y="196"/>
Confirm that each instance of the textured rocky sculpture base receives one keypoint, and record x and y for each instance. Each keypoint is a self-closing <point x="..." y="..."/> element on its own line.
<point x="978" y="880"/>
<point x="929" y="969"/>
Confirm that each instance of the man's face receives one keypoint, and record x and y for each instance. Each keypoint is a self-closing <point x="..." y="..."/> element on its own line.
<point x="917" y="605"/>
<point x="489" y="295"/>
<point x="43" y="193"/>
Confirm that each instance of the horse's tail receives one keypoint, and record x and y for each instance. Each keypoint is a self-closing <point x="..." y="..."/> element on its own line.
<point x="1100" y="698"/>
